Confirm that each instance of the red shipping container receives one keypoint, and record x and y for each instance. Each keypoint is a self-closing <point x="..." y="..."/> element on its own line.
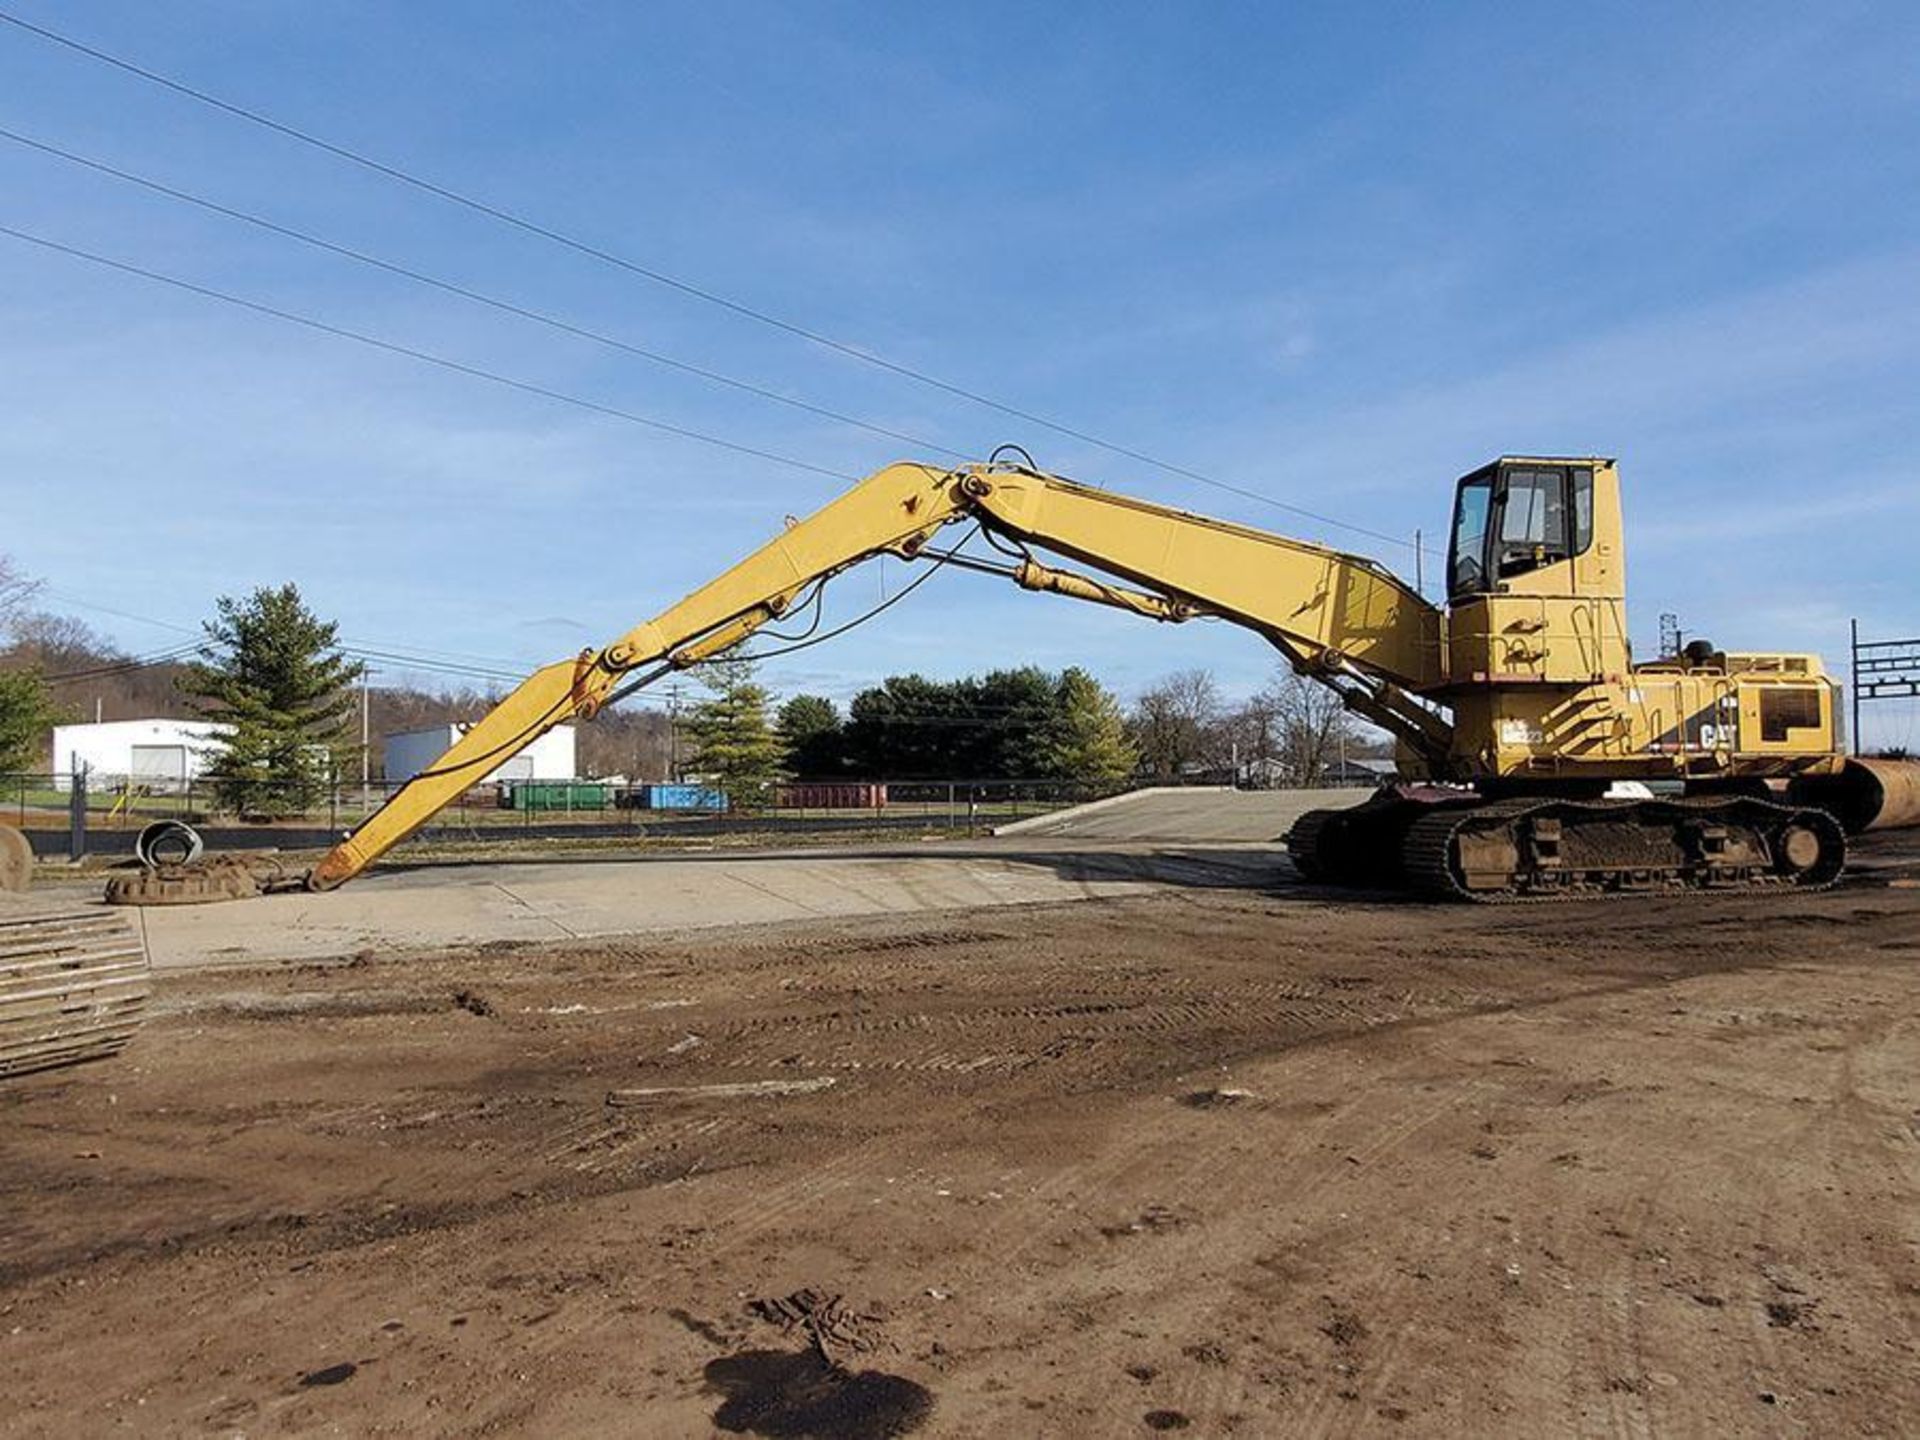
<point x="825" y="795"/>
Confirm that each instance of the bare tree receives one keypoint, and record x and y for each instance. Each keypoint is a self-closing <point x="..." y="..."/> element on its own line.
<point x="1175" y="724"/>
<point x="57" y="642"/>
<point x="1310" y="725"/>
<point x="628" y="741"/>
<point x="1250" y="732"/>
<point x="16" y="593"/>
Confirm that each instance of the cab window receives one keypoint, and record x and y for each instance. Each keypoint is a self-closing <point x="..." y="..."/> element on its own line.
<point x="1466" y="566"/>
<point x="1508" y="522"/>
<point x="1533" y="520"/>
<point x="1582" y="508"/>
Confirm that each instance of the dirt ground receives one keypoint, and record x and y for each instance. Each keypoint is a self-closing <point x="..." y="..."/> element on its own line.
<point x="1222" y="1161"/>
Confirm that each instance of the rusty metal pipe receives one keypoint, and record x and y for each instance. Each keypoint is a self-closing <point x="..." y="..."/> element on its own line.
<point x="1865" y="795"/>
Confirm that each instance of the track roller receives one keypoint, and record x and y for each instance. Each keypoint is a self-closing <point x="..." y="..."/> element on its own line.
<point x="1535" y="849"/>
<point x="203" y="882"/>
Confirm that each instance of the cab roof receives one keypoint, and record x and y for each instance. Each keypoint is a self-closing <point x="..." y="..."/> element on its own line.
<point x="1554" y="460"/>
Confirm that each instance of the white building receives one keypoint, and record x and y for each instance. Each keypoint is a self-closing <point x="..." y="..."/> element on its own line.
<point x="159" y="754"/>
<point x="549" y="757"/>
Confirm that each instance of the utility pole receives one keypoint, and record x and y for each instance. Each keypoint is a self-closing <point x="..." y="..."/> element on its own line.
<point x="673" y="733"/>
<point x="1853" y="684"/>
<point x="366" y="749"/>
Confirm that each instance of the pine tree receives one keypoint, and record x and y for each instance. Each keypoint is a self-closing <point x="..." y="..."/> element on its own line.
<point x="27" y="709"/>
<point x="28" y="712"/>
<point x="734" y="742"/>
<point x="810" y="729"/>
<point x="1090" y="740"/>
<point x="272" y="673"/>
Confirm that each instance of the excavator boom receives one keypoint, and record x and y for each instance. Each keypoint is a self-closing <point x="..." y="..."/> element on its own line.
<point x="1521" y="699"/>
<point x="1337" y="616"/>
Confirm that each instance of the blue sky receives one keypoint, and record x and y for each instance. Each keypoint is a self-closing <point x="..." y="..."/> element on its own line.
<point x="1335" y="254"/>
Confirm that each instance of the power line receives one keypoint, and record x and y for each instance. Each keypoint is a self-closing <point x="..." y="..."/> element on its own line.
<point x="134" y="663"/>
<point x="395" y="348"/>
<point x="408" y="651"/>
<point x="685" y="287"/>
<point x="507" y="307"/>
<point x="489" y="667"/>
<point x="180" y="653"/>
<point x="127" y="665"/>
<point x="439" y="667"/>
<point x="67" y="599"/>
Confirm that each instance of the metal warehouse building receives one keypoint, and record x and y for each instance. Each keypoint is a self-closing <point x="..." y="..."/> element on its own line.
<point x="159" y="754"/>
<point x="549" y="757"/>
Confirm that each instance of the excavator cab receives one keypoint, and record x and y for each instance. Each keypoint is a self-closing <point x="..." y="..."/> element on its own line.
<point x="1536" y="578"/>
<point x="1515" y="517"/>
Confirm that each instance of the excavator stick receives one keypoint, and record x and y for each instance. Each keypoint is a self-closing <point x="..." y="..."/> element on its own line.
<point x="550" y="696"/>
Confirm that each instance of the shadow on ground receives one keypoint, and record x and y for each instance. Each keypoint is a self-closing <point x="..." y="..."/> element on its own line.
<point x="1210" y="867"/>
<point x="798" y="1396"/>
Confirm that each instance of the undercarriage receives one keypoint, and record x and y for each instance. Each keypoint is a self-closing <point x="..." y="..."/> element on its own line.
<point x="1447" y="845"/>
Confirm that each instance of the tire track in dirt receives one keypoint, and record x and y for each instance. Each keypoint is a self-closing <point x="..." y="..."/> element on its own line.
<point x="1012" y="1037"/>
<point x="1036" y="1072"/>
<point x="1218" y="1182"/>
<point x="746" y="1224"/>
<point x="1379" y="1285"/>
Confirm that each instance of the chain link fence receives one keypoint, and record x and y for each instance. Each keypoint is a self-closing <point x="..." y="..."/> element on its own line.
<point x="77" y="814"/>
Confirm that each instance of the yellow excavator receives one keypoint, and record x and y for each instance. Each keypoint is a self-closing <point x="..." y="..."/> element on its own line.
<point x="1514" y="708"/>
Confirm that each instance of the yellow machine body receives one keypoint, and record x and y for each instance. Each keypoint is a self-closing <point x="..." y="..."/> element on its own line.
<point x="1540" y="676"/>
<point x="1523" y="684"/>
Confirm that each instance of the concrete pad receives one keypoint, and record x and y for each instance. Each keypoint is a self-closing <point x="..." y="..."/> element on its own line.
<point x="1192" y="813"/>
<point x="473" y="903"/>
